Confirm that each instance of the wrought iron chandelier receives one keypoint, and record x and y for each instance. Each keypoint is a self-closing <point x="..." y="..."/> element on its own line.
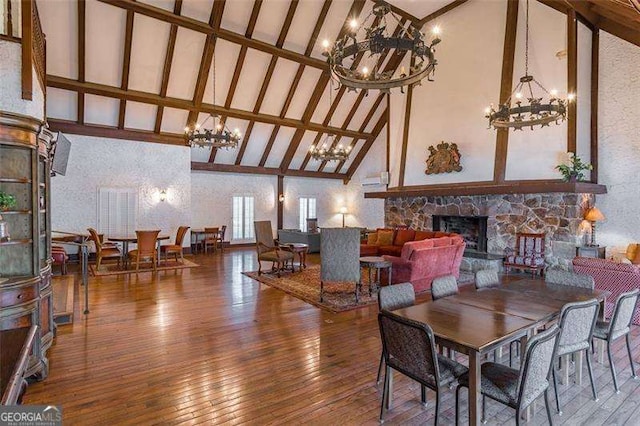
<point x="372" y="41"/>
<point x="218" y="136"/>
<point x="535" y="112"/>
<point x="330" y="150"/>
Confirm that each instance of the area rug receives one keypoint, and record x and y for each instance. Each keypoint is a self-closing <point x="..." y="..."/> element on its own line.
<point x="114" y="269"/>
<point x="305" y="285"/>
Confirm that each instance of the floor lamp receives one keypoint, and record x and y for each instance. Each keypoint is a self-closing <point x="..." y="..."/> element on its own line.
<point x="593" y="215"/>
<point x="343" y="212"/>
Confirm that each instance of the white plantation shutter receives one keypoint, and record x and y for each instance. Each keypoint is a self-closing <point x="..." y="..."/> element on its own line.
<point x="243" y="217"/>
<point x="307" y="210"/>
<point x="117" y="211"/>
<point x="248" y="218"/>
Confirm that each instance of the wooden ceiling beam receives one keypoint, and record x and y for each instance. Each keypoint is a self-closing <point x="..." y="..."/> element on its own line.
<point x="82" y="14"/>
<point x="382" y="121"/>
<point x="126" y="65"/>
<point x="166" y="70"/>
<point x="440" y="12"/>
<point x="233" y="168"/>
<point x="267" y="78"/>
<point x="195" y="25"/>
<point x="296" y="79"/>
<point x="151" y="98"/>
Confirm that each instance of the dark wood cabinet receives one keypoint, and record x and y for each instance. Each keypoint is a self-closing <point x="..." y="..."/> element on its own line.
<point x="25" y="257"/>
<point x="591" y="251"/>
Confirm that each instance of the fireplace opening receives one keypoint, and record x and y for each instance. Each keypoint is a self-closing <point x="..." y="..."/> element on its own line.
<point x="473" y="229"/>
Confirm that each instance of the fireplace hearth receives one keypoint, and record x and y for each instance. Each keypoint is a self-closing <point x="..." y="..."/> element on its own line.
<point x="473" y="230"/>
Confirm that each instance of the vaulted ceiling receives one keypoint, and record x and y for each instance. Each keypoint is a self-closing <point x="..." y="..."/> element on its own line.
<point x="143" y="70"/>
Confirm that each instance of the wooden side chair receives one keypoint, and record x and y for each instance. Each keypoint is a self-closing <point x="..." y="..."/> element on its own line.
<point x="267" y="248"/>
<point x="223" y="230"/>
<point x="146" y="250"/>
<point x="211" y="236"/>
<point x="176" y="248"/>
<point x="103" y="251"/>
<point x="528" y="254"/>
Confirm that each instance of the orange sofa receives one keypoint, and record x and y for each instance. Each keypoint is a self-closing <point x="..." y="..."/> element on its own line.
<point x="388" y="241"/>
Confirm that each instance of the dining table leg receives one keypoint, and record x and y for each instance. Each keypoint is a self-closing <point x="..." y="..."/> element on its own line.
<point x="158" y="253"/>
<point x="475" y="393"/>
<point x="125" y="254"/>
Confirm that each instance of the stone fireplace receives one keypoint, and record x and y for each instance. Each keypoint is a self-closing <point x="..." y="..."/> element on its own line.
<point x="472" y="228"/>
<point x="557" y="215"/>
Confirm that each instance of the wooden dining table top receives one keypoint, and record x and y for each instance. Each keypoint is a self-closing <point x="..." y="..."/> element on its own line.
<point x="132" y="238"/>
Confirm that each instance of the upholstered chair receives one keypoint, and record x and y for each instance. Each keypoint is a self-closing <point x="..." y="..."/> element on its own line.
<point x="146" y="250"/>
<point x="103" y="251"/>
<point x="211" y="236"/>
<point x="409" y="348"/>
<point x="577" y="321"/>
<point x="487" y="278"/>
<point x="267" y="248"/>
<point x="560" y="277"/>
<point x="60" y="257"/>
<point x="518" y="388"/>
<point x="175" y="248"/>
<point x="394" y="297"/>
<point x="340" y="257"/>
<point x="620" y="325"/>
<point x="443" y="287"/>
<point x="528" y="254"/>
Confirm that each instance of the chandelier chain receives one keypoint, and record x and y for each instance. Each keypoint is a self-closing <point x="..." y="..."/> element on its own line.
<point x="526" y="43"/>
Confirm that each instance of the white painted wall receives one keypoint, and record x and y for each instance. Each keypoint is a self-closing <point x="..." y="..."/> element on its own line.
<point x="113" y="163"/>
<point x="619" y="141"/>
<point x="11" y="83"/>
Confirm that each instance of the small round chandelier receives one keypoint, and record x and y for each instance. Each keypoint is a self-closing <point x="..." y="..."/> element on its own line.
<point x="371" y="39"/>
<point x="218" y="136"/>
<point x="534" y="111"/>
<point x="330" y="150"/>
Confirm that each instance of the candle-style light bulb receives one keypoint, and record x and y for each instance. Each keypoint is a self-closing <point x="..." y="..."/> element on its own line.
<point x="325" y="44"/>
<point x="353" y="24"/>
<point x="518" y="95"/>
<point x="365" y="71"/>
<point x="554" y="92"/>
<point x="571" y="96"/>
<point x="436" y="30"/>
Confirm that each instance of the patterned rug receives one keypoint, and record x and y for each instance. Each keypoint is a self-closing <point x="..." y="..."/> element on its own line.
<point x="114" y="269"/>
<point x="305" y="285"/>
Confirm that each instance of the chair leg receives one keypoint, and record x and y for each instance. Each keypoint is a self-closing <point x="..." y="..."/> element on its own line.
<point x="259" y="268"/>
<point x="613" y="368"/>
<point x="437" y="407"/>
<point x="555" y="388"/>
<point x="385" y="393"/>
<point x="457" y="406"/>
<point x="423" y="395"/>
<point x="321" y="289"/>
<point x="546" y="404"/>
<point x="98" y="262"/>
<point x="633" y="369"/>
<point x="517" y="417"/>
<point x="380" y="369"/>
<point x="484" y="407"/>
<point x="593" y="383"/>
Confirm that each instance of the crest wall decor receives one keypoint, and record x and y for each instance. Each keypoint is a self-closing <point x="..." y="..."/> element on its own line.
<point x="443" y="158"/>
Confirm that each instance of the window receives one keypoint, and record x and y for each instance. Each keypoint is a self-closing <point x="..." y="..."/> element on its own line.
<point x="307" y="211"/>
<point x="117" y="210"/>
<point x="243" y="218"/>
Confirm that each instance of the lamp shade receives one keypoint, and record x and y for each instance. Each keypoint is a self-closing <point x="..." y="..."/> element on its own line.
<point x="594" y="215"/>
<point x="343" y="210"/>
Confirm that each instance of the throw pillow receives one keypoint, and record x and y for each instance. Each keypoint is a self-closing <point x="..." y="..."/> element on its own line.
<point x="620" y="258"/>
<point x="423" y="235"/>
<point x="632" y="251"/>
<point x="385" y="238"/>
<point x="404" y="236"/>
<point x="636" y="258"/>
<point x="372" y="239"/>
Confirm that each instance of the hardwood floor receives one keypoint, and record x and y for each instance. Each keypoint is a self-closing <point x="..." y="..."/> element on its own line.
<point x="208" y="345"/>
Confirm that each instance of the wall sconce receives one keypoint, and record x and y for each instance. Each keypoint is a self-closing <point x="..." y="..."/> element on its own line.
<point x="343" y="212"/>
<point x="281" y="198"/>
<point x="163" y="195"/>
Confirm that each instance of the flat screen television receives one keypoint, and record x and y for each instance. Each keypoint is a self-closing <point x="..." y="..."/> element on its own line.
<point x="60" y="155"/>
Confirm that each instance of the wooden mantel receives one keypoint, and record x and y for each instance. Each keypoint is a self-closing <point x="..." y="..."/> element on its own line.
<point x="491" y="188"/>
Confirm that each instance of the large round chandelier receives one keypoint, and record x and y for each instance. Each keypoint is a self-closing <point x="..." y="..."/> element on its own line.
<point x="330" y="149"/>
<point x="530" y="109"/>
<point x="371" y="39"/>
<point x="218" y="135"/>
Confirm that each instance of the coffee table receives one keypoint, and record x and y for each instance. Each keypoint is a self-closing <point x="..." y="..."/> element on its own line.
<point x="377" y="263"/>
<point x="301" y="250"/>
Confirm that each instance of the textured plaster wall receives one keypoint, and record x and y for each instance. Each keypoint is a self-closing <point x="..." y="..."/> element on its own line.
<point x="113" y="163"/>
<point x="11" y="83"/>
<point x="619" y="141"/>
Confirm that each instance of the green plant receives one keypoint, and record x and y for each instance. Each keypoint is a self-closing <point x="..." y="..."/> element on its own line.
<point x="7" y="201"/>
<point x="574" y="171"/>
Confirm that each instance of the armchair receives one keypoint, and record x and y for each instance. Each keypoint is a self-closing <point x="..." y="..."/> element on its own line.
<point x="528" y="254"/>
<point x="340" y="257"/>
<point x="268" y="249"/>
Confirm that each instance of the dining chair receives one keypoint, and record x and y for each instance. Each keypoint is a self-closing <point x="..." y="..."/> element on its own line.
<point x="390" y="298"/>
<point x="176" y="247"/>
<point x="103" y="251"/>
<point x="210" y="238"/>
<point x="443" y="287"/>
<point x="518" y="388"/>
<point x="340" y="258"/>
<point x="620" y="325"/>
<point x="409" y="347"/>
<point x="146" y="249"/>
<point x="577" y="321"/>
<point x="487" y="278"/>
<point x="220" y="241"/>
<point x="560" y="277"/>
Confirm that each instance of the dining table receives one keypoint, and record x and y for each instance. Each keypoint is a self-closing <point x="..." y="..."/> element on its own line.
<point x="478" y="322"/>
<point x="126" y="239"/>
<point x="200" y="232"/>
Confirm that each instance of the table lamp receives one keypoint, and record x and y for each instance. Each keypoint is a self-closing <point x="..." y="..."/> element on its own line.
<point x="343" y="212"/>
<point x="593" y="215"/>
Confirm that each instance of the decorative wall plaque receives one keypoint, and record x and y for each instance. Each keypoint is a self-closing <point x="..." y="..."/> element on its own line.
<point x="443" y="158"/>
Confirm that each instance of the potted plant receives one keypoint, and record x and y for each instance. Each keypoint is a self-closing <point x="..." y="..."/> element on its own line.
<point x="574" y="171"/>
<point x="7" y="201"/>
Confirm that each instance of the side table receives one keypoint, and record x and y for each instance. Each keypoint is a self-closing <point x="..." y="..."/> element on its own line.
<point x="591" y="251"/>
<point x="377" y="263"/>
<point x="301" y="250"/>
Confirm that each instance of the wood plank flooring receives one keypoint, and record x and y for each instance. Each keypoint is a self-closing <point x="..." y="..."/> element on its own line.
<point x="208" y="346"/>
